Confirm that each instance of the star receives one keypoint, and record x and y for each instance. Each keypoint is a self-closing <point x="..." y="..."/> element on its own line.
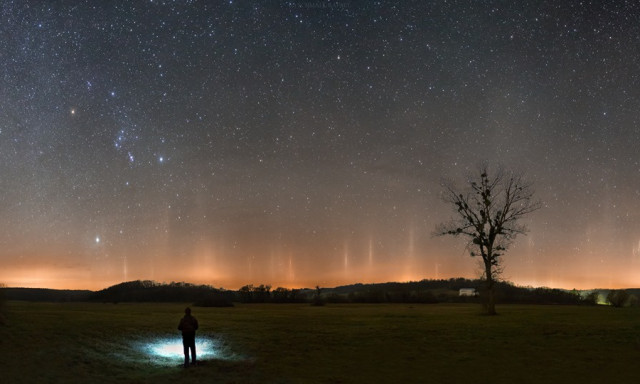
<point x="278" y="139"/>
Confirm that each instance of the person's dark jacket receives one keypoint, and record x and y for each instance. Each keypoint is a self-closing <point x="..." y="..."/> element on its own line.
<point x="188" y="325"/>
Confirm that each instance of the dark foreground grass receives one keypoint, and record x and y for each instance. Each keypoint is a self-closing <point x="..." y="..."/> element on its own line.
<point x="104" y="343"/>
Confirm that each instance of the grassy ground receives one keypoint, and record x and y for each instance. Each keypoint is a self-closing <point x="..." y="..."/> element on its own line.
<point x="105" y="343"/>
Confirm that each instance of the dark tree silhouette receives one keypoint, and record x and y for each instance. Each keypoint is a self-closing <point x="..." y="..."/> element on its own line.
<point x="618" y="298"/>
<point x="317" y="298"/>
<point x="487" y="213"/>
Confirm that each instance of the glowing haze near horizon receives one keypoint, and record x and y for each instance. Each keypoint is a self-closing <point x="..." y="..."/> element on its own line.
<point x="303" y="143"/>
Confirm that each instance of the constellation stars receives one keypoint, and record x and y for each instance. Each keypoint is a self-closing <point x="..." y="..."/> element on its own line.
<point x="282" y="140"/>
<point x="128" y="142"/>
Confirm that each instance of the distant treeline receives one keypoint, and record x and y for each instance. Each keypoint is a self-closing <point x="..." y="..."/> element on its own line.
<point x="44" y="294"/>
<point x="425" y="291"/>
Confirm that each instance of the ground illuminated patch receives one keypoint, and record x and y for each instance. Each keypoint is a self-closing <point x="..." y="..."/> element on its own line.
<point x="169" y="349"/>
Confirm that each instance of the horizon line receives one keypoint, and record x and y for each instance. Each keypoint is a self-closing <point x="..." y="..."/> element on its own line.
<point x="312" y="288"/>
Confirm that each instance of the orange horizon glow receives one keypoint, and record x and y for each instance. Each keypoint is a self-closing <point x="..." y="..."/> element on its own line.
<point x="85" y="279"/>
<point x="297" y="262"/>
<point x="53" y="283"/>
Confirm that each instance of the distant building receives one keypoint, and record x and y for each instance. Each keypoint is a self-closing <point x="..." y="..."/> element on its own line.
<point x="468" y="292"/>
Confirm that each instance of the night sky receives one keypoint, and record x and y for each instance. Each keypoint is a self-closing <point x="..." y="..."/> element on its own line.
<point x="304" y="143"/>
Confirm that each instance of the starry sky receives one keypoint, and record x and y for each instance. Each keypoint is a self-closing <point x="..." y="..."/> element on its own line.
<point x="304" y="143"/>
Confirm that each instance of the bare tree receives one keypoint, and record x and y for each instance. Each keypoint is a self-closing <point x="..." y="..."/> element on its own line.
<point x="487" y="213"/>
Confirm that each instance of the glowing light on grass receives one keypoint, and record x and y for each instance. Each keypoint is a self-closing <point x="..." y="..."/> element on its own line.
<point x="170" y="350"/>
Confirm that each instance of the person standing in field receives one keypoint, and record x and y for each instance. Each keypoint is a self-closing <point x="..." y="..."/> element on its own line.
<point x="188" y="325"/>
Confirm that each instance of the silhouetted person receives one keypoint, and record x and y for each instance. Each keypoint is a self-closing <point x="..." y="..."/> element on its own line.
<point x="188" y="325"/>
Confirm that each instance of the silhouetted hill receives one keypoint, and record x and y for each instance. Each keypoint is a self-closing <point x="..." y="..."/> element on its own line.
<point x="454" y="284"/>
<point x="447" y="290"/>
<point x="424" y="291"/>
<point x="151" y="291"/>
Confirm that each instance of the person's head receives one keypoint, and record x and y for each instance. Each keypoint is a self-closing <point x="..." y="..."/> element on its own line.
<point x="187" y="311"/>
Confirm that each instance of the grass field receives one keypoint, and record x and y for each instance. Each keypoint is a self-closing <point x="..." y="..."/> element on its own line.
<point x="443" y="343"/>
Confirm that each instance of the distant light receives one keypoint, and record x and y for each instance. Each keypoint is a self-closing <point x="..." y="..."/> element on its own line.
<point x="97" y="239"/>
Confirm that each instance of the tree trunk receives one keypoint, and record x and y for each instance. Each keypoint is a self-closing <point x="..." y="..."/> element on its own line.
<point x="490" y="305"/>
